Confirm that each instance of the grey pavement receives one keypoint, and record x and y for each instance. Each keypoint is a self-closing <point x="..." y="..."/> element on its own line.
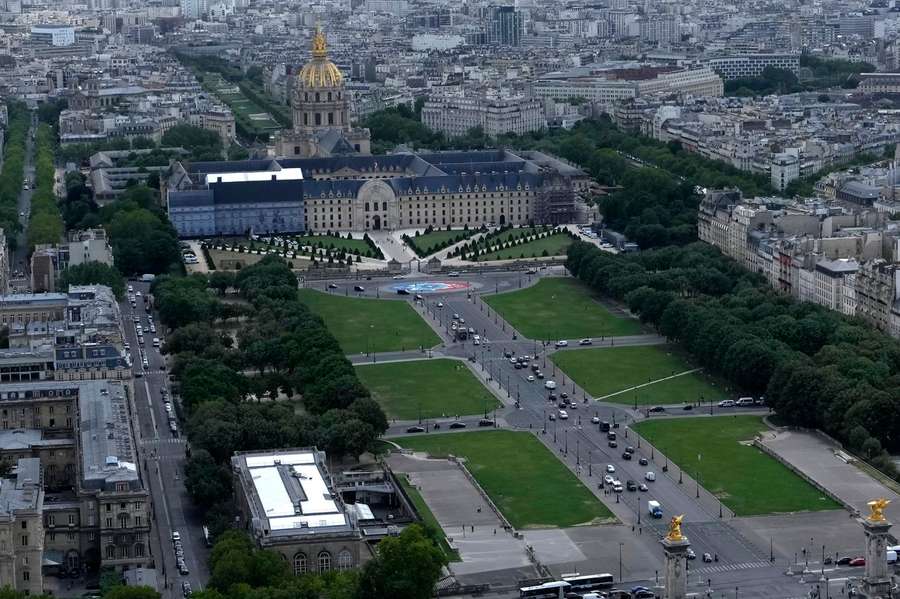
<point x="824" y="463"/>
<point x="466" y="518"/>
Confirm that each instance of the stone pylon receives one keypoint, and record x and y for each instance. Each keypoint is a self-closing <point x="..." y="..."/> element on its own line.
<point x="675" y="567"/>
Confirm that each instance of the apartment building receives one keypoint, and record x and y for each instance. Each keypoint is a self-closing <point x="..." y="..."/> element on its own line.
<point x="743" y="66"/>
<point x="21" y="528"/>
<point x="455" y="116"/>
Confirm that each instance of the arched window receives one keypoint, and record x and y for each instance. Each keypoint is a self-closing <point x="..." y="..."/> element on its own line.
<point x="299" y="564"/>
<point x="324" y="561"/>
<point x="345" y="560"/>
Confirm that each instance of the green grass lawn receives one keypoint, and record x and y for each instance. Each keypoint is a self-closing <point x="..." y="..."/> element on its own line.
<point x="607" y="370"/>
<point x="426" y="389"/>
<point x="746" y="480"/>
<point x="555" y="245"/>
<point x="523" y="479"/>
<point x="559" y="308"/>
<point x="428" y="517"/>
<point x="338" y="243"/>
<point x="370" y="324"/>
<point x="429" y="240"/>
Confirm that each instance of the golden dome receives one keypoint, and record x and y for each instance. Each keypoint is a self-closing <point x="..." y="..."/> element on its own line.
<point x="320" y="72"/>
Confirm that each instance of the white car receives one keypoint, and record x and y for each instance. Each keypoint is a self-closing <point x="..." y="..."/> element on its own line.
<point x="550" y="385"/>
<point x="563" y="415"/>
<point x="595" y="420"/>
<point x="440" y="304"/>
<point x="530" y="378"/>
<point x="562" y="343"/>
<point x="650" y="476"/>
<point x="727" y="403"/>
<point x="585" y="341"/>
<point x="608" y="479"/>
<point x="610" y="468"/>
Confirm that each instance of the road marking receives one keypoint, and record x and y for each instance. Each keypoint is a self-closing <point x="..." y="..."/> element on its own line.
<point x="666" y="378"/>
<point x="152" y="417"/>
<point x="731" y="567"/>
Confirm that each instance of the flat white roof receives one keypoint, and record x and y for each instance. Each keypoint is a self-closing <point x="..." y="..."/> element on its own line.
<point x="276" y="477"/>
<point x="285" y="174"/>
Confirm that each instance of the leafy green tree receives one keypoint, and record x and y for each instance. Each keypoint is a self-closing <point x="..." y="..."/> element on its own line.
<point x="201" y="143"/>
<point x="407" y="566"/>
<point x="128" y="592"/>
<point x="94" y="273"/>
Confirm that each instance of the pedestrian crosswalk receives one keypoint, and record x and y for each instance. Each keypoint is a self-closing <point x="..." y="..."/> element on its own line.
<point x="731" y="567"/>
<point x="167" y="441"/>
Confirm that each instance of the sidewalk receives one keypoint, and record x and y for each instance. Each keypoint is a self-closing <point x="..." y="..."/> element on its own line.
<point x="828" y="467"/>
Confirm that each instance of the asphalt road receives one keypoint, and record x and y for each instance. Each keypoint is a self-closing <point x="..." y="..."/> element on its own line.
<point x="18" y="260"/>
<point x="162" y="459"/>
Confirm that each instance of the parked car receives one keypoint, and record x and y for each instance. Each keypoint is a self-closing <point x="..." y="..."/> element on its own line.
<point x="726" y="403"/>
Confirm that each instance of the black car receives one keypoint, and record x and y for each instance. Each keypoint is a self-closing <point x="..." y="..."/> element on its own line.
<point x="611" y="436"/>
<point x="564" y="395"/>
<point x="657" y="409"/>
<point x="415" y="429"/>
<point x="359" y="288"/>
<point x="552" y="397"/>
<point x="402" y="291"/>
<point x="457" y="425"/>
<point x="539" y="374"/>
<point x="643" y="461"/>
<point x="419" y="298"/>
<point x="844" y="561"/>
<point x="485" y="422"/>
<point x="631" y="485"/>
<point x="613" y="444"/>
<point x="688" y="407"/>
<point x="507" y="354"/>
<point x="629" y="449"/>
<point x="332" y="286"/>
<point x="626" y="455"/>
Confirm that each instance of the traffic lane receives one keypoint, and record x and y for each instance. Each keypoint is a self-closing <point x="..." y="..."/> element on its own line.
<point x="533" y="400"/>
<point x="470" y="423"/>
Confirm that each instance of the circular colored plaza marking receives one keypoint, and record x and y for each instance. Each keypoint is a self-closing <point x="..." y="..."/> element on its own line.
<point x="426" y="287"/>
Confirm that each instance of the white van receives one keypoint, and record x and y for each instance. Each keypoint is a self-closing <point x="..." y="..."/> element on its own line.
<point x="745" y="401"/>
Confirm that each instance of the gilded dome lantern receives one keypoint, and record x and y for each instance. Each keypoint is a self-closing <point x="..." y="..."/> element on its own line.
<point x="320" y="72"/>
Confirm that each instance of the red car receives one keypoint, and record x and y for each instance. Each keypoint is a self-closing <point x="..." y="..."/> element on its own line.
<point x="858" y="561"/>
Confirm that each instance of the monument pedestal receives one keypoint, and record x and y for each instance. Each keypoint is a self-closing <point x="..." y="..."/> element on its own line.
<point x="876" y="584"/>
<point x="675" y="568"/>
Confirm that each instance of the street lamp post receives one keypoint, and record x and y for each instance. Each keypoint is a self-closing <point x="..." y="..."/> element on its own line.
<point x="590" y="461"/>
<point x="577" y="452"/>
<point x="620" y="560"/>
<point x="566" y="433"/>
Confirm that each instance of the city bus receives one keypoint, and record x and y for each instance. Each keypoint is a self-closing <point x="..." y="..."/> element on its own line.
<point x="589" y="582"/>
<point x="548" y="590"/>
